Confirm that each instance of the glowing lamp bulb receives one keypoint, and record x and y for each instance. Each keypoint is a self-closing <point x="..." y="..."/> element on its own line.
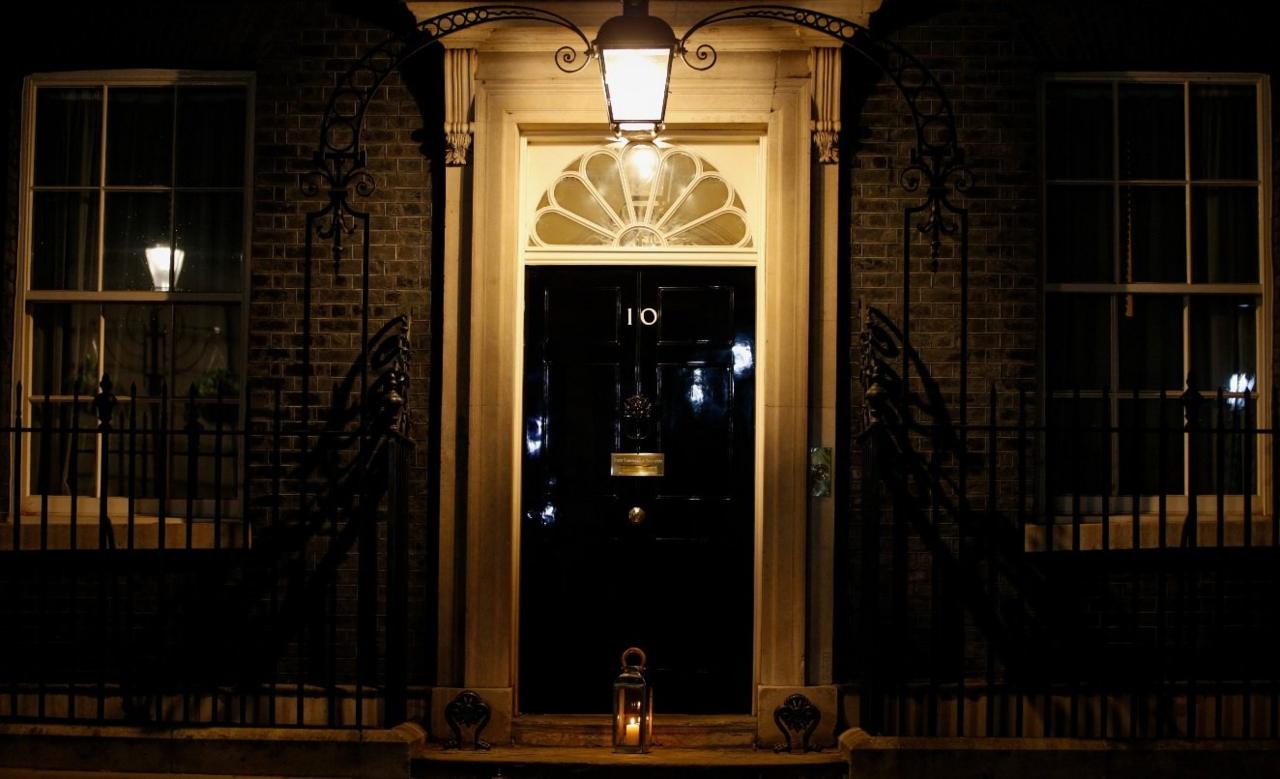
<point x="158" y="264"/>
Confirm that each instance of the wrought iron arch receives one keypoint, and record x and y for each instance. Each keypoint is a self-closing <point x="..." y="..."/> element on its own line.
<point x="937" y="162"/>
<point x="936" y="168"/>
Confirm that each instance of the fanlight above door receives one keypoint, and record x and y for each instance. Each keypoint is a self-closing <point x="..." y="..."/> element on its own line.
<point x="638" y="196"/>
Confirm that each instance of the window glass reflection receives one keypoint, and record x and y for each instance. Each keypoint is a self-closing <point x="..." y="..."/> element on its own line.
<point x="64" y="348"/>
<point x="211" y="137"/>
<point x="138" y="345"/>
<point x="68" y="136"/>
<point x="140" y="136"/>
<point x="1224" y="137"/>
<point x="1223" y="340"/>
<point x="135" y="221"/>
<point x="210" y="233"/>
<point x="64" y="240"/>
<point x="1224" y="233"/>
<point x="1078" y="130"/>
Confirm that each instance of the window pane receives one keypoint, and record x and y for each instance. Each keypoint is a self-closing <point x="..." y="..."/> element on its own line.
<point x="1077" y="333"/>
<point x="204" y="464"/>
<point x="207" y="350"/>
<point x="706" y="196"/>
<point x="723" y="230"/>
<point x="210" y="136"/>
<point x="1151" y="132"/>
<point x="143" y="448"/>
<point x="135" y="222"/>
<point x="64" y="240"/>
<point x="62" y="461"/>
<point x="1223" y="341"/>
<point x="1077" y="453"/>
<point x="1224" y="234"/>
<point x="1081" y="230"/>
<point x="605" y="176"/>
<point x="210" y="235"/>
<point x="558" y="230"/>
<point x="1151" y="446"/>
<point x="137" y="347"/>
<point x="68" y="137"/>
<point x="64" y="348"/>
<point x="1214" y="449"/>
<point x="1154" y="232"/>
<point x="206" y="359"/>
<point x="1151" y="342"/>
<point x="140" y="136"/>
<point x="1224" y="140"/>
<point x="1078" y="131"/>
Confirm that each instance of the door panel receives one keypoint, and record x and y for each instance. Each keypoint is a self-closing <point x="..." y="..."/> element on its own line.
<point x="678" y="584"/>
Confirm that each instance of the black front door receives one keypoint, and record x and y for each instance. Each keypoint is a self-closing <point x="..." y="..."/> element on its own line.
<point x="659" y="362"/>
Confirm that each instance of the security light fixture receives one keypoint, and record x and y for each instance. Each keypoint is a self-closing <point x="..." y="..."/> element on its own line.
<point x="635" y="52"/>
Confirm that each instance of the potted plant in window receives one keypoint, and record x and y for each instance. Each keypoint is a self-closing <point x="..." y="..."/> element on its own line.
<point x="212" y="385"/>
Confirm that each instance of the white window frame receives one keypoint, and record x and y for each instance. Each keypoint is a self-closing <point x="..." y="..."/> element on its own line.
<point x="59" y="506"/>
<point x="1176" y="505"/>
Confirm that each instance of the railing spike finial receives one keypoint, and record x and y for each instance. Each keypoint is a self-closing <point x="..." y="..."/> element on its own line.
<point x="104" y="402"/>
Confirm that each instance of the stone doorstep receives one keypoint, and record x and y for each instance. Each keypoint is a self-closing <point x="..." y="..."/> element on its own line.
<point x="676" y="730"/>
<point x="229" y="751"/>
<point x="593" y="731"/>
<point x="433" y="762"/>
<point x="894" y="757"/>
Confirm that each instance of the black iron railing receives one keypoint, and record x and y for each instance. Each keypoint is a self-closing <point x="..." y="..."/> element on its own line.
<point x="1048" y="568"/>
<point x="181" y="562"/>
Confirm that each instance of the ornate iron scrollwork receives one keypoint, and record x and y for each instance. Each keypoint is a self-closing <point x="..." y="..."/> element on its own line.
<point x="467" y="712"/>
<point x="937" y="162"/>
<point x="797" y="718"/>
<point x="389" y="395"/>
<point x="340" y="160"/>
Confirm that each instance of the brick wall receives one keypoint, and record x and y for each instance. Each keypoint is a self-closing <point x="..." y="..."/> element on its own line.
<point x="294" y="81"/>
<point x="905" y="610"/>
<point x="298" y="52"/>
<point x="990" y="77"/>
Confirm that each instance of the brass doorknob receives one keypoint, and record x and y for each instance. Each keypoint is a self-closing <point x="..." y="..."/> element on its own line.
<point x="636" y="515"/>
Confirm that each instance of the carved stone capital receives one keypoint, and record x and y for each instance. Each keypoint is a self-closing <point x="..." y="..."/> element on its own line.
<point x="827" y="142"/>
<point x="459" y="95"/>
<point x="825" y="82"/>
<point x="457" y="143"/>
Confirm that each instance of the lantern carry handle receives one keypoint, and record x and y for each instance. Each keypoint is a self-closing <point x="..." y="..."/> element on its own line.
<point x="635" y="650"/>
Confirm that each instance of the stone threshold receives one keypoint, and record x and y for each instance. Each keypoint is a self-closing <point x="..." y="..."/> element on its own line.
<point x="658" y="757"/>
<point x="593" y="731"/>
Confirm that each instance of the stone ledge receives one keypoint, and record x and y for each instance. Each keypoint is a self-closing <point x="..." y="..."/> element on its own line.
<point x="603" y="763"/>
<point x="891" y="757"/>
<point x="658" y="757"/>
<point x="235" y="751"/>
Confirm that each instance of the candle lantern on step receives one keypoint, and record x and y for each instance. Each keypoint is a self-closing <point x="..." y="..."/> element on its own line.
<point x="632" y="705"/>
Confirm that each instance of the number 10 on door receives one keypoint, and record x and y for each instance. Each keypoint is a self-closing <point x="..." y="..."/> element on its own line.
<point x="648" y="316"/>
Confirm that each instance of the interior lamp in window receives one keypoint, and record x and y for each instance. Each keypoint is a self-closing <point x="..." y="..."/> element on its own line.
<point x="1239" y="385"/>
<point x="158" y="264"/>
<point x="635" y="51"/>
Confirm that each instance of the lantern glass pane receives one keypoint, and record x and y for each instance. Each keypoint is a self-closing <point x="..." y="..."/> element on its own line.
<point x="630" y="717"/>
<point x="636" y="80"/>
